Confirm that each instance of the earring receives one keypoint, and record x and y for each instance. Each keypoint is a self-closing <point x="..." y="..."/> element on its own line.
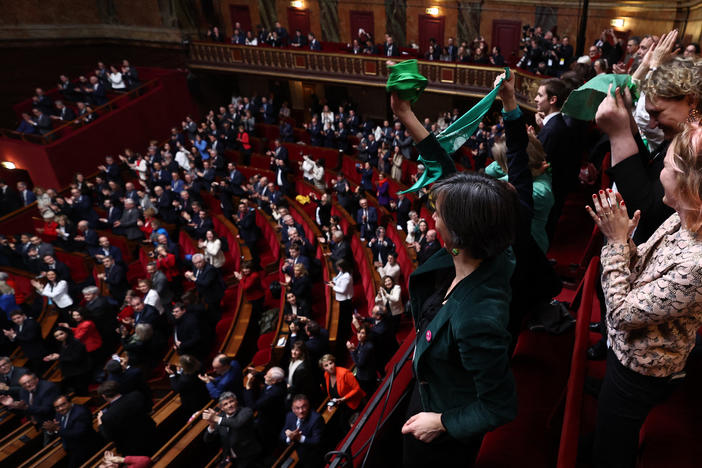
<point x="455" y="252"/>
<point x="694" y="115"/>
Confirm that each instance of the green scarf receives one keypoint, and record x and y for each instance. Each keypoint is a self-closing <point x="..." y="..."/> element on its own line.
<point x="454" y="137"/>
<point x="406" y="81"/>
<point x="582" y="103"/>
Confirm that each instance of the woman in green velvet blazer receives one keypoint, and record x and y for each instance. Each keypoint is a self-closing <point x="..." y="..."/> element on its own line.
<point x="460" y="304"/>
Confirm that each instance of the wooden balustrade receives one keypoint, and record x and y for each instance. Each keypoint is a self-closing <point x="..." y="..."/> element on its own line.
<point x="444" y="77"/>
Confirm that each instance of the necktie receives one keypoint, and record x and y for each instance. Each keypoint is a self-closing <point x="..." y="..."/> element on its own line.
<point x="64" y="418"/>
<point x="31" y="398"/>
<point x="298" y="423"/>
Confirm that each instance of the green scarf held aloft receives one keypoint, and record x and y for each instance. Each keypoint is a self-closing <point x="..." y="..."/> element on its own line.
<point x="406" y="81"/>
<point x="454" y="137"/>
<point x="582" y="103"/>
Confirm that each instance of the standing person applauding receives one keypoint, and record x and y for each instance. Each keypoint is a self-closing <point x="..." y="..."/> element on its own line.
<point x="652" y="295"/>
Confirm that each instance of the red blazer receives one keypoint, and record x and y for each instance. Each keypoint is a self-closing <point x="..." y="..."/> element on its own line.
<point x="347" y="387"/>
<point x="88" y="334"/>
<point x="253" y="289"/>
<point x="168" y="266"/>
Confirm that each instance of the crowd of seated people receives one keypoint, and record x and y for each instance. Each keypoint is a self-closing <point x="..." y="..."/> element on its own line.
<point x="150" y="198"/>
<point x="146" y="199"/>
<point x="79" y="98"/>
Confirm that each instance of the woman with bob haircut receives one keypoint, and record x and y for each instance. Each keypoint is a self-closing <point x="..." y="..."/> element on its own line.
<point x="652" y="293"/>
<point x="460" y="304"/>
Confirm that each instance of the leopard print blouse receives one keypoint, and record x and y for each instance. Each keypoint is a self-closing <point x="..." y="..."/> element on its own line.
<point x="653" y="295"/>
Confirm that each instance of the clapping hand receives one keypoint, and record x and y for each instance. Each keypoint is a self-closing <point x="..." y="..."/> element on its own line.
<point x="611" y="216"/>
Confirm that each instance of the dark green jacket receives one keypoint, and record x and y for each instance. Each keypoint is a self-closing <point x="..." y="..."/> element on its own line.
<point x="461" y="361"/>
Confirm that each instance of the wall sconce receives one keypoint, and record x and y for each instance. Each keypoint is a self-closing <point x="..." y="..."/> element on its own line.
<point x="299" y="4"/>
<point x="617" y="23"/>
<point x="8" y="165"/>
<point x="432" y="11"/>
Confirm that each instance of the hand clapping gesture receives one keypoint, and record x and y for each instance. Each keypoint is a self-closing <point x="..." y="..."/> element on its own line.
<point x="611" y="216"/>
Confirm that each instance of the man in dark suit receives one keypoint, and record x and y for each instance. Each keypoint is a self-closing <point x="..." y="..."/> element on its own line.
<point x="367" y="219"/>
<point x="62" y="271"/>
<point x="9" y="199"/>
<point x="74" y="425"/>
<point x="430" y="247"/>
<point x="314" y="43"/>
<point x="187" y="338"/>
<point x="116" y="279"/>
<point x="41" y="121"/>
<point x="63" y="112"/>
<point x="128" y="222"/>
<point x="306" y="428"/>
<point x="99" y="310"/>
<point x="269" y="404"/>
<point x="557" y="140"/>
<point x="314" y="128"/>
<point x="245" y="220"/>
<point x="402" y="207"/>
<point x="9" y="377"/>
<point x="207" y="281"/>
<point x="381" y="246"/>
<point x="126" y="421"/>
<point x="278" y="152"/>
<point x="295" y="307"/>
<point x="27" y="334"/>
<point x="26" y="196"/>
<point x="86" y="238"/>
<point x="96" y="92"/>
<point x="113" y="214"/>
<point x="129" y="378"/>
<point x="391" y="50"/>
<point x="143" y="313"/>
<point x="105" y="249"/>
<point x="318" y="341"/>
<point x="233" y="428"/>
<point x="340" y="248"/>
<point x="36" y="398"/>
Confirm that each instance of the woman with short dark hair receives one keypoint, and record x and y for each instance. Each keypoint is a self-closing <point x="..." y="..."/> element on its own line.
<point x="460" y="304"/>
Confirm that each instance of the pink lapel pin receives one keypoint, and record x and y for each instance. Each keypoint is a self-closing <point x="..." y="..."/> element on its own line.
<point x="428" y="335"/>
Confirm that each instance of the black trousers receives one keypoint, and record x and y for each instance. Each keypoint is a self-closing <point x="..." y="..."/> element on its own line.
<point x="625" y="400"/>
<point x="445" y="451"/>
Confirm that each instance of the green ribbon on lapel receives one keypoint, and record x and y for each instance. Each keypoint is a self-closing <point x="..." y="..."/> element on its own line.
<point x="454" y="137"/>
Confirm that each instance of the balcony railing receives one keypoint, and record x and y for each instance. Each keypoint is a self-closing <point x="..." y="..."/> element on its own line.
<point x="66" y="128"/>
<point x="444" y="77"/>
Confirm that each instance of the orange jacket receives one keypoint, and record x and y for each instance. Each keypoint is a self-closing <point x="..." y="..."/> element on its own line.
<point x="347" y="387"/>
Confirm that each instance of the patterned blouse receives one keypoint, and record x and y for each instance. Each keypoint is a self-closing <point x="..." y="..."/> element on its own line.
<point x="653" y="295"/>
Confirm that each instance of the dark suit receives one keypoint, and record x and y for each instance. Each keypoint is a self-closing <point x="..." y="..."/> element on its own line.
<point x="27" y="197"/>
<point x="209" y="285"/>
<point x="78" y="437"/>
<point x="31" y="342"/>
<point x="148" y="314"/>
<point x="193" y="392"/>
<point x="42" y="407"/>
<point x="235" y="433"/>
<point x="269" y="406"/>
<point x="312" y="428"/>
<point x="367" y="227"/>
<point x="130" y="380"/>
<point x="11" y="379"/>
<point x="364" y="356"/>
<point x="429" y="249"/>
<point x="100" y="312"/>
<point x="127" y="423"/>
<point x="187" y="331"/>
<point x="62" y="271"/>
<point x="557" y="140"/>
<point x="9" y="200"/>
<point x="116" y="279"/>
<point x="128" y="223"/>
<point x="305" y="381"/>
